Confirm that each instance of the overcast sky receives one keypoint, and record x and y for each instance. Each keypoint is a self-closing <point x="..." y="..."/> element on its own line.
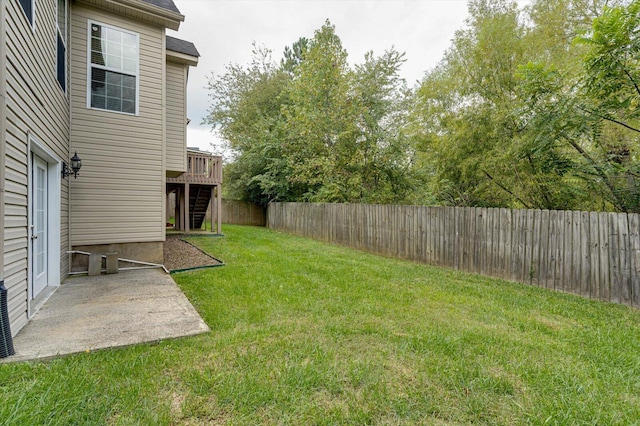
<point x="224" y="30"/>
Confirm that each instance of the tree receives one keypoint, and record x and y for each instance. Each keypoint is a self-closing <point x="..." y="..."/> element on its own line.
<point x="319" y="118"/>
<point x="294" y="55"/>
<point x="382" y="152"/>
<point x="313" y="129"/>
<point x="516" y="116"/>
<point x="246" y="108"/>
<point x="592" y="112"/>
<point x="464" y="109"/>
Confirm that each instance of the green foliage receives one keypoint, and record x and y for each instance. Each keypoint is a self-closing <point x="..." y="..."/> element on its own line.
<point x="294" y="55"/>
<point x="517" y="115"/>
<point x="590" y="115"/>
<point x="534" y="108"/>
<point x="464" y="109"/>
<point x="246" y="104"/>
<point x="318" y="120"/>
<point x="611" y="87"/>
<point x="315" y="129"/>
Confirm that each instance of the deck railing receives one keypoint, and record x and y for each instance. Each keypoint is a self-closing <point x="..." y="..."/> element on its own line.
<point x="202" y="168"/>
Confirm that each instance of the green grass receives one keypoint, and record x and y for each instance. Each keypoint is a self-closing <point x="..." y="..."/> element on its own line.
<point x="308" y="333"/>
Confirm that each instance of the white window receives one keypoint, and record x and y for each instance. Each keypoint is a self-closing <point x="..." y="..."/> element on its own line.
<point x="113" y="69"/>
<point x="29" y="8"/>
<point x="61" y="48"/>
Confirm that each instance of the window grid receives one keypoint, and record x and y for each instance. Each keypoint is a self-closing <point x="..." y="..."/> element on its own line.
<point x="113" y="57"/>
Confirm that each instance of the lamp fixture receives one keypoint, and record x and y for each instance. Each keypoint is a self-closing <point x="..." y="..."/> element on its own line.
<point x="76" y="164"/>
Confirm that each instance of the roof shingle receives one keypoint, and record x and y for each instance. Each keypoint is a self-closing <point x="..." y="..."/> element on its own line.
<point x="182" y="46"/>
<point x="165" y="4"/>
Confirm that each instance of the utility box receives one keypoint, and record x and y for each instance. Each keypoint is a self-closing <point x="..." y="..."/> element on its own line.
<point x="6" y="342"/>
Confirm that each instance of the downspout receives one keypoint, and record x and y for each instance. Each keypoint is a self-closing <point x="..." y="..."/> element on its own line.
<point x="163" y="150"/>
<point x="3" y="135"/>
<point x="68" y="183"/>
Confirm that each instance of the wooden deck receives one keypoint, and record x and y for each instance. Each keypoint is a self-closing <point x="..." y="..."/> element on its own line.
<point x="196" y="190"/>
<point x="202" y="169"/>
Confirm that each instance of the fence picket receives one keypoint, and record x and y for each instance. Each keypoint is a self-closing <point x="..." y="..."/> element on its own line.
<point x="594" y="256"/>
<point x="558" y="249"/>
<point x="576" y="243"/>
<point x="567" y="252"/>
<point x="625" y="264"/>
<point x="605" y="268"/>
<point x="634" y="257"/>
<point x="544" y="250"/>
<point x="614" y="254"/>
<point x="584" y="254"/>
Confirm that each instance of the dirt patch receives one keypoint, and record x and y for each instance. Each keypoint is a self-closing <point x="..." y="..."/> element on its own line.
<point x="179" y="254"/>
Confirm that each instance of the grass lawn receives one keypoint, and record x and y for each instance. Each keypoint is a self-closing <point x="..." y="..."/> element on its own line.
<point x="308" y="333"/>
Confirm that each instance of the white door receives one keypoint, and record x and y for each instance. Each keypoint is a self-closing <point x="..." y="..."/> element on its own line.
<point x="39" y="219"/>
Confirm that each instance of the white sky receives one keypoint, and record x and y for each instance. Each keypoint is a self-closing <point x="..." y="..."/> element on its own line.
<point x="224" y="30"/>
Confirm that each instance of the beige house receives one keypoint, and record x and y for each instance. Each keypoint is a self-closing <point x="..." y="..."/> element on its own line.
<point x="99" y="78"/>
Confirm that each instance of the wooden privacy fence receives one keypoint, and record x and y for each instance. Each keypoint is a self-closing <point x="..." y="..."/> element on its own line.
<point x="242" y="213"/>
<point x="592" y="254"/>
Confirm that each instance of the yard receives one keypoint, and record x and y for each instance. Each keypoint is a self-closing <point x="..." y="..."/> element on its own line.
<point x="308" y="333"/>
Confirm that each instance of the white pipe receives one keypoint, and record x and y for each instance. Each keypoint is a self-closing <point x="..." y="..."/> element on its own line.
<point x="119" y="269"/>
<point x="152" y="265"/>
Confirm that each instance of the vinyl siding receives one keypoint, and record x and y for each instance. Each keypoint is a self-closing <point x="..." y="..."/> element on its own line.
<point x="118" y="197"/>
<point x="176" y="117"/>
<point x="36" y="105"/>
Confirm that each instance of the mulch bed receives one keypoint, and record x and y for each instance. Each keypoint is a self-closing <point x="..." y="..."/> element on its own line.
<point x="179" y="254"/>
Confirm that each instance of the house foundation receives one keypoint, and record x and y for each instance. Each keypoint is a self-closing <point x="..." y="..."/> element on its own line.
<point x="151" y="252"/>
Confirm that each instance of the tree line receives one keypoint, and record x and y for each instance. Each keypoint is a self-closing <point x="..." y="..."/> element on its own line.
<point x="528" y="108"/>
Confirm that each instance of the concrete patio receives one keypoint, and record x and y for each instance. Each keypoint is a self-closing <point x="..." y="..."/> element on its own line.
<point x="89" y="313"/>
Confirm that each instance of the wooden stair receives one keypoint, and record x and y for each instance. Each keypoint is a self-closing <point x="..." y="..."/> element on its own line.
<point x="199" y="197"/>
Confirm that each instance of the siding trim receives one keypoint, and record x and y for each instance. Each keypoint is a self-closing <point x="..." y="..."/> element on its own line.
<point x="181" y="58"/>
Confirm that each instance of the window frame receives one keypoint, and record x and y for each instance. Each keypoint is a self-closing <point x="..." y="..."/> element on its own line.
<point x="30" y="19"/>
<point x="91" y="66"/>
<point x="60" y="37"/>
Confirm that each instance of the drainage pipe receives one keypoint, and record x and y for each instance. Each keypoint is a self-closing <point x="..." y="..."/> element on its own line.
<point x="138" y="262"/>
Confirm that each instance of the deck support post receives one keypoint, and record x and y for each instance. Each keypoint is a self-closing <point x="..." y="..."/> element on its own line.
<point x="218" y="209"/>
<point x="178" y="212"/>
<point x="211" y="208"/>
<point x="176" y="209"/>
<point x="169" y="207"/>
<point x="187" y="196"/>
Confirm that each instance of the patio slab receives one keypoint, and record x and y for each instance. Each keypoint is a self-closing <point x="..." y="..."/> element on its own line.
<point x="89" y="313"/>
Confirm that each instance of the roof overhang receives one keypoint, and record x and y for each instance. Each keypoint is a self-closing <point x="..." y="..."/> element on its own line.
<point x="139" y="10"/>
<point x="181" y="58"/>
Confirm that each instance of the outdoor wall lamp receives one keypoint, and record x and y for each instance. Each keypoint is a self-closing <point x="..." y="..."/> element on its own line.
<point x="76" y="164"/>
